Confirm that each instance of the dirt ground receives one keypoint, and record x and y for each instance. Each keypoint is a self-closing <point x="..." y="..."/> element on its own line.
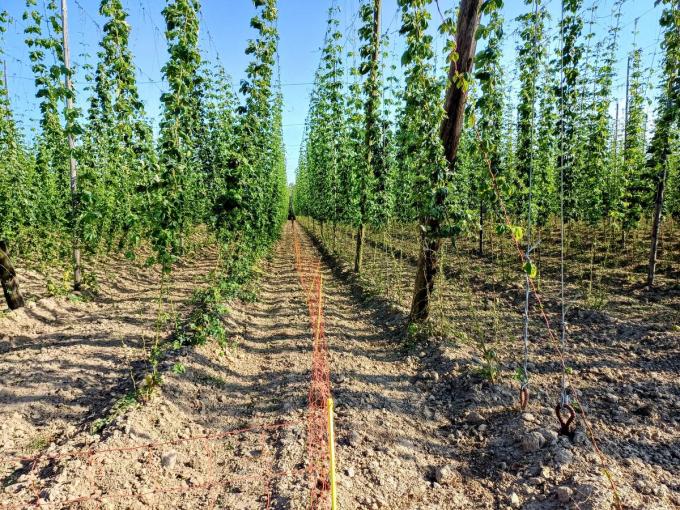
<point x="416" y="429"/>
<point x="65" y="360"/>
<point x="624" y="358"/>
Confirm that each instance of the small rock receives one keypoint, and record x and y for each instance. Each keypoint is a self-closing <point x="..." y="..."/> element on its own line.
<point x="580" y="437"/>
<point x="550" y="436"/>
<point x="169" y="459"/>
<point x="642" y="486"/>
<point x="350" y="472"/>
<point x="474" y="418"/>
<point x="528" y="417"/>
<point x="444" y="474"/>
<point x="514" y="500"/>
<point x="563" y="457"/>
<point x="564" y="494"/>
<point x="354" y="438"/>
<point x="532" y="441"/>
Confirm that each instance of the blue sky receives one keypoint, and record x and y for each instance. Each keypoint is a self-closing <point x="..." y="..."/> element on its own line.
<point x="225" y="30"/>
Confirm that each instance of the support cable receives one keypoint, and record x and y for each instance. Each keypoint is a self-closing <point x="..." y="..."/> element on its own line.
<point x="564" y="396"/>
<point x="524" y="383"/>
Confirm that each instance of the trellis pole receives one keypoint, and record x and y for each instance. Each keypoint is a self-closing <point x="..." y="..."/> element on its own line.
<point x="77" y="271"/>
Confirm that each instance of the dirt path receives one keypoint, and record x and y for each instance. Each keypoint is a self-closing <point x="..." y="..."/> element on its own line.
<point x="392" y="453"/>
<point x="389" y="445"/>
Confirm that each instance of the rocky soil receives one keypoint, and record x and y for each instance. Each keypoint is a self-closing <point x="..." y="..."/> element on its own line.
<point x="416" y="428"/>
<point x="623" y="357"/>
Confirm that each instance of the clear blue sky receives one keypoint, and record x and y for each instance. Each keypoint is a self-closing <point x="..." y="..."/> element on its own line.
<point x="225" y="30"/>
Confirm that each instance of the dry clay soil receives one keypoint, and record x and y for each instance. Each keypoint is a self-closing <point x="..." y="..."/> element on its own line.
<point x="228" y="430"/>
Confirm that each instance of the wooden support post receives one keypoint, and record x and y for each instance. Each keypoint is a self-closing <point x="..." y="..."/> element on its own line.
<point x="8" y="278"/>
<point x="77" y="271"/>
<point x="450" y="132"/>
<point x="656" y="226"/>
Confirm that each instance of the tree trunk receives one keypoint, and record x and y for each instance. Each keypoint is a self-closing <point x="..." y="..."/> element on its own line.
<point x="8" y="278"/>
<point x="658" y="208"/>
<point x="450" y="131"/>
<point x="428" y="265"/>
<point x="335" y="235"/>
<point x="454" y="104"/>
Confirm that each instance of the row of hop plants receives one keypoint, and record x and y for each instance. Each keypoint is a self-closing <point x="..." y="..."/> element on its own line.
<point x="373" y="150"/>
<point x="218" y="159"/>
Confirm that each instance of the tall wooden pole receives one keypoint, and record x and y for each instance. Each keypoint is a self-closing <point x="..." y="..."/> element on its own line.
<point x="374" y="93"/>
<point x="625" y="114"/>
<point x="454" y="105"/>
<point x="658" y="209"/>
<point x="659" y="197"/>
<point x="616" y="131"/>
<point x="450" y="133"/>
<point x="77" y="272"/>
<point x="8" y="276"/>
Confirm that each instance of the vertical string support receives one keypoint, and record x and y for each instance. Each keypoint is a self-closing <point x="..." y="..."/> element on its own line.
<point x="564" y="397"/>
<point x="527" y="294"/>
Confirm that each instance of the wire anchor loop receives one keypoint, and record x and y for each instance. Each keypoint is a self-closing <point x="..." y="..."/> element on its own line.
<point x="524" y="395"/>
<point x="567" y="426"/>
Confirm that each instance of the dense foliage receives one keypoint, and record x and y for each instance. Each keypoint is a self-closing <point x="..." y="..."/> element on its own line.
<point x="217" y="161"/>
<point x="371" y="155"/>
<point x="553" y="134"/>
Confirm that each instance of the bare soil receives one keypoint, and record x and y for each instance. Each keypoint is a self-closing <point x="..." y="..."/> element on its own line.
<point x="623" y="353"/>
<point x="65" y="360"/>
<point x="416" y="428"/>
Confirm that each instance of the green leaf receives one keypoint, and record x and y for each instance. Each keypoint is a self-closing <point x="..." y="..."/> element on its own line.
<point x="530" y="269"/>
<point x="517" y="232"/>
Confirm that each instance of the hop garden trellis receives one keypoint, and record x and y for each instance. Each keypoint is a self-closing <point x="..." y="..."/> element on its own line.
<point x="564" y="161"/>
<point x="212" y="152"/>
<point x="608" y="179"/>
<point x="366" y="163"/>
<point x="103" y="185"/>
